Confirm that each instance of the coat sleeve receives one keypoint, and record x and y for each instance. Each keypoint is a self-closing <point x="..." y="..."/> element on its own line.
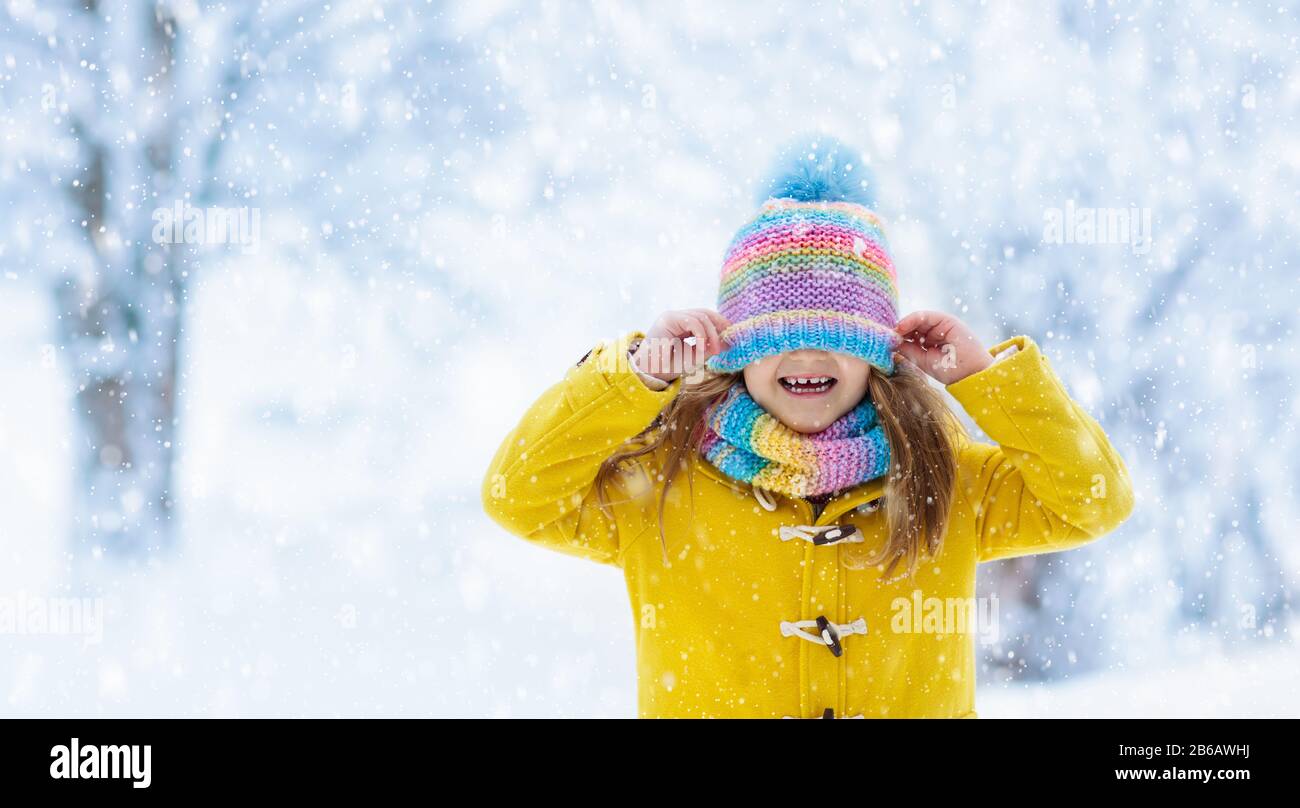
<point x="541" y="482"/>
<point x="1053" y="481"/>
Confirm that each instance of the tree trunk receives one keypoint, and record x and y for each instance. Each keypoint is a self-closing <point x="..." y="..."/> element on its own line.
<point x="121" y="318"/>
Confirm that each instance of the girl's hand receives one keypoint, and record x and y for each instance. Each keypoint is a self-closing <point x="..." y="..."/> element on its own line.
<point x="680" y="342"/>
<point x="942" y="346"/>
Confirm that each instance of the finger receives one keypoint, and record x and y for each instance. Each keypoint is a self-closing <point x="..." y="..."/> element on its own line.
<point x="931" y="329"/>
<point x="690" y="326"/>
<point x="919" y="337"/>
<point x="722" y="324"/>
<point x="715" y="342"/>
<point x="920" y="320"/>
<point x="680" y="324"/>
<point x="913" y="353"/>
<point x="719" y="322"/>
<point x="698" y="330"/>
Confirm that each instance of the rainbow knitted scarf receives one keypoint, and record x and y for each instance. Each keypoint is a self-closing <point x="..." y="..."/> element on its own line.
<point x="748" y="444"/>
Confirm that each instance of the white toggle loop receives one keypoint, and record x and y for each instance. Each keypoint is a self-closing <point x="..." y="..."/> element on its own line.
<point x="764" y="499"/>
<point x="796" y="629"/>
<point x="805" y="532"/>
<point x="810" y="533"/>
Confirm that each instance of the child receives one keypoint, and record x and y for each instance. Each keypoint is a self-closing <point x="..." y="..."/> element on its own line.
<point x="778" y="513"/>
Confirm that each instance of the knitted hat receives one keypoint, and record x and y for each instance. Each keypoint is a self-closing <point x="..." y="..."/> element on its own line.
<point x="812" y="268"/>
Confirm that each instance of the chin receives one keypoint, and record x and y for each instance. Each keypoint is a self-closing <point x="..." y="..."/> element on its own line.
<point x="807" y="424"/>
<point x="806" y="429"/>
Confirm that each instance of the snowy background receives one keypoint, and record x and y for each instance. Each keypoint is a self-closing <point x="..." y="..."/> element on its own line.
<point x="265" y="464"/>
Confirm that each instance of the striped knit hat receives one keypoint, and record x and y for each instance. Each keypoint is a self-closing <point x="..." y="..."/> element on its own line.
<point x="812" y="269"/>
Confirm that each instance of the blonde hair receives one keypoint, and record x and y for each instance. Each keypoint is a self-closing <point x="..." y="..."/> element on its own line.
<point x="920" y="427"/>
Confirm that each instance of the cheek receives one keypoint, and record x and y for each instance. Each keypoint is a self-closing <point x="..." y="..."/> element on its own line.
<point x="757" y="378"/>
<point x="853" y="384"/>
<point x="760" y="388"/>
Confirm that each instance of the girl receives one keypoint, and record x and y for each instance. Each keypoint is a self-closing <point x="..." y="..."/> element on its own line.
<point x="796" y="518"/>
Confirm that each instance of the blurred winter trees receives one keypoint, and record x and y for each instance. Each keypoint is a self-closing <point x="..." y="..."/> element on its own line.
<point x="504" y="163"/>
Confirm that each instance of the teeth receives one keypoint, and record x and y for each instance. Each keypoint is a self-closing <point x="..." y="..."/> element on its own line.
<point x="807" y="384"/>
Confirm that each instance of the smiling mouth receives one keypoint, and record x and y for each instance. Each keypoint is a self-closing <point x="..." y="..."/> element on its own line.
<point x="807" y="385"/>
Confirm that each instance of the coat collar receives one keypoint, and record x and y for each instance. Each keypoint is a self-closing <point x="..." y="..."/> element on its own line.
<point x="841" y="503"/>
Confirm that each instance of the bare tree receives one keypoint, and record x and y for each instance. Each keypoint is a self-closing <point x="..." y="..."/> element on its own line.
<point x="116" y="99"/>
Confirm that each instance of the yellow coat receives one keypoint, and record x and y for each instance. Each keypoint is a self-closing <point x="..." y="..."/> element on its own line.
<point x="714" y="627"/>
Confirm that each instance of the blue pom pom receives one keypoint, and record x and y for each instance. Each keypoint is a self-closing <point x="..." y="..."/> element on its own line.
<point x="819" y="168"/>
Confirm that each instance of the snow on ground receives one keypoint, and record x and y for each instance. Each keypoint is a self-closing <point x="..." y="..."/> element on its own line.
<point x="1258" y="684"/>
